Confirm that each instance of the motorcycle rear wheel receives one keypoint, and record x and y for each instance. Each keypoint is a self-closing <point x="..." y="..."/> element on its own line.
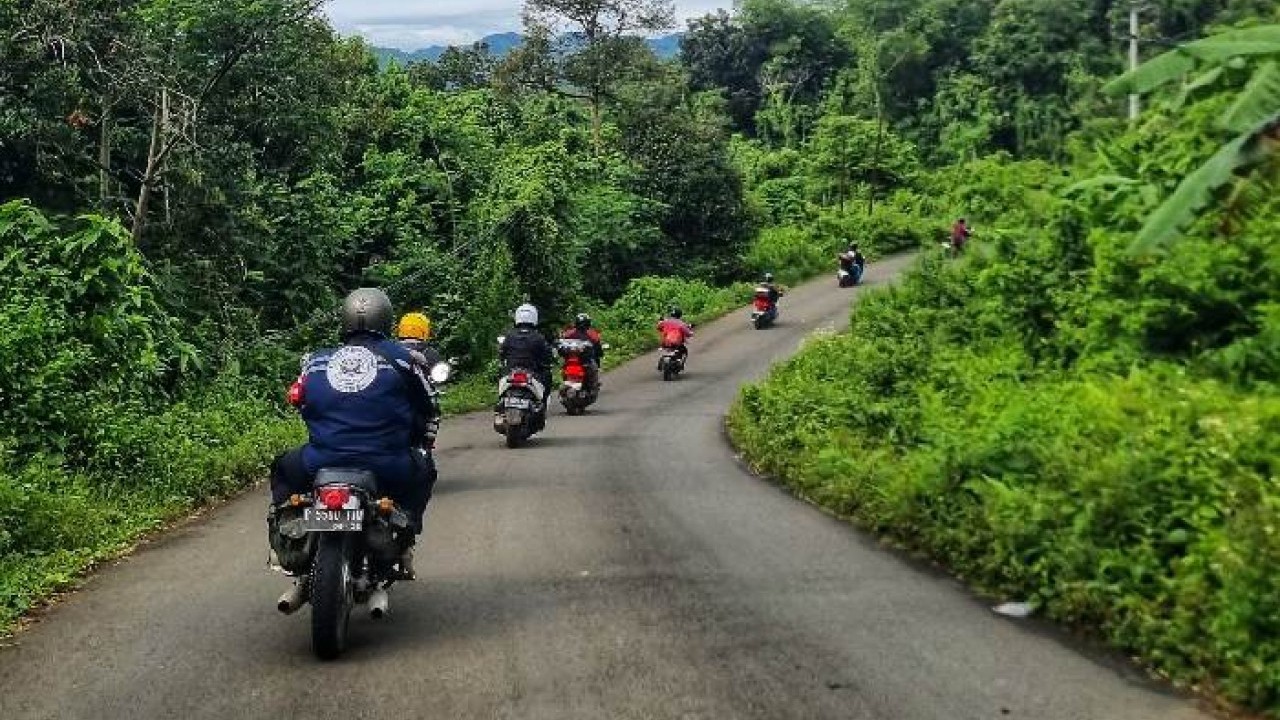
<point x="331" y="596"/>
<point x="515" y="436"/>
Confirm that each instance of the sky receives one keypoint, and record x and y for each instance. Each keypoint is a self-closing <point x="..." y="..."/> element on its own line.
<point x="413" y="24"/>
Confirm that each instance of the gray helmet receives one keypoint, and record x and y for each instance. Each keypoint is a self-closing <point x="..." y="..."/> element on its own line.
<point x="367" y="310"/>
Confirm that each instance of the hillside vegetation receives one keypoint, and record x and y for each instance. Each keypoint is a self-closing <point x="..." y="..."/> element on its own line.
<point x="1082" y="412"/>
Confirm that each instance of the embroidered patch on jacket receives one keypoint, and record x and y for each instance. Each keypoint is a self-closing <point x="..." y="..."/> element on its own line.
<point x="352" y="369"/>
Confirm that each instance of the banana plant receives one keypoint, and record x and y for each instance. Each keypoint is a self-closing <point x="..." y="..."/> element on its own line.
<point x="1254" y="117"/>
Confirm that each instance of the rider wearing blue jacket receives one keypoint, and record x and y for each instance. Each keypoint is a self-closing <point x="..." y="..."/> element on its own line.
<point x="367" y="404"/>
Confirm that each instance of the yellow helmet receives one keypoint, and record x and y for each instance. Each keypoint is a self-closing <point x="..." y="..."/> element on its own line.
<point x="414" y="326"/>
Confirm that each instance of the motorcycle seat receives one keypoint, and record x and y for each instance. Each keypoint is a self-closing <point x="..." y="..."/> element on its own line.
<point x="355" y="477"/>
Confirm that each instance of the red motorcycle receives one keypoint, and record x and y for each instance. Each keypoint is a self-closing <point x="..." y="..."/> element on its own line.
<point x="580" y="385"/>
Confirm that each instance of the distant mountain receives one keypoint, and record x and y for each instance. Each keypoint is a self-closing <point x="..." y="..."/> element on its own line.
<point x="500" y="44"/>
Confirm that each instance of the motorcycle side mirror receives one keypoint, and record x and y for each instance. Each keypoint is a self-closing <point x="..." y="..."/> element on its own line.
<point x="441" y="372"/>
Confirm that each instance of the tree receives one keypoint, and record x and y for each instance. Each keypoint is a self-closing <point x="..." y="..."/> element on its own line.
<point x="588" y="48"/>
<point x="773" y="52"/>
<point x="1253" y="120"/>
<point x="848" y="151"/>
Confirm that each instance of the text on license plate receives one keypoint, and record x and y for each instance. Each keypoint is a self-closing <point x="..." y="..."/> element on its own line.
<point x="517" y="402"/>
<point x="320" y="520"/>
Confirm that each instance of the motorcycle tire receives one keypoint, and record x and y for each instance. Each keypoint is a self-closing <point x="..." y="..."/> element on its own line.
<point x="515" y="436"/>
<point x="331" y="596"/>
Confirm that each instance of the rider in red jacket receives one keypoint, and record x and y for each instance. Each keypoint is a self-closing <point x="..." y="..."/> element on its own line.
<point x="582" y="330"/>
<point x="675" y="331"/>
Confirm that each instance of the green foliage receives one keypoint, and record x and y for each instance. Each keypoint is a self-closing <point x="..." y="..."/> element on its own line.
<point x="1253" y="119"/>
<point x="630" y="324"/>
<point x="143" y="471"/>
<point x="80" y="319"/>
<point x="1056" y="418"/>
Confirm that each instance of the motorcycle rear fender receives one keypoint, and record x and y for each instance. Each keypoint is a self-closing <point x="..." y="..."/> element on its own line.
<point x="534" y="386"/>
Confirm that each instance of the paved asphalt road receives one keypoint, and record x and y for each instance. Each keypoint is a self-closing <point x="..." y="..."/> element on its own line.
<point x="622" y="565"/>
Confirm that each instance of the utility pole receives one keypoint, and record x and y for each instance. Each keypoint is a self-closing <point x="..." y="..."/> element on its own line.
<point x="1133" y="55"/>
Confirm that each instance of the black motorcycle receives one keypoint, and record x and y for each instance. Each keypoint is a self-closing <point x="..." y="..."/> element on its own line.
<point x="344" y="541"/>
<point x="670" y="362"/>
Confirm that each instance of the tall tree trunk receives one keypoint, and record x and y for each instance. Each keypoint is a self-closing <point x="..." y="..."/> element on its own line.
<point x="153" y="166"/>
<point x="596" y="121"/>
<point x="104" y="157"/>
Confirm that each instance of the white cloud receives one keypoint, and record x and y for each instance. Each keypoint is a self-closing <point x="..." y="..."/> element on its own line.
<point x="412" y="24"/>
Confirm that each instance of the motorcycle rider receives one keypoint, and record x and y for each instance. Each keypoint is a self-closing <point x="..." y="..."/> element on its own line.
<point x="367" y="404"/>
<point x="675" y="332"/>
<point x="960" y="233"/>
<point x="525" y="348"/>
<point x="774" y="293"/>
<point x="414" y="332"/>
<point x="853" y="262"/>
<point x="582" y="330"/>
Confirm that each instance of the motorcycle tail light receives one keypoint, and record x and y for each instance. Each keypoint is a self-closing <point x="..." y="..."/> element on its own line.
<point x="574" y="371"/>
<point x="334" y="498"/>
<point x="295" y="393"/>
<point x="519" y="378"/>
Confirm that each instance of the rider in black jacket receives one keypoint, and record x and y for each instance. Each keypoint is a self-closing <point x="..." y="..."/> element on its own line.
<point x="525" y="348"/>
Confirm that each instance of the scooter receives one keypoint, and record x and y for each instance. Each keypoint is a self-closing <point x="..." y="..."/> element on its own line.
<point x="846" y="278"/>
<point x="522" y="406"/>
<point x="764" y="310"/>
<point x="580" y="385"/>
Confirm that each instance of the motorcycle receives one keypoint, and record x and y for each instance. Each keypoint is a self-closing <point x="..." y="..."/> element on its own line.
<point x="670" y="362"/>
<point x="764" y="311"/>
<point x="580" y="386"/>
<point x="846" y="278"/>
<point x="344" y="540"/>
<point x="521" y="410"/>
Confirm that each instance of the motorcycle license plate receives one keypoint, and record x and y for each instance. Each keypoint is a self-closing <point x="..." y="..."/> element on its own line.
<point x="321" y="520"/>
<point x="573" y="385"/>
<point x="517" y="403"/>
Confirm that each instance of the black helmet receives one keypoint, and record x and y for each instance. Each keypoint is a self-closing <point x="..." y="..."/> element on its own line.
<point x="582" y="322"/>
<point x="367" y="310"/>
<point x="768" y="277"/>
<point x="853" y="246"/>
<point x="675" y="311"/>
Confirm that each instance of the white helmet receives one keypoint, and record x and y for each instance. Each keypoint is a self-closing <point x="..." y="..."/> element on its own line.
<point x="526" y="315"/>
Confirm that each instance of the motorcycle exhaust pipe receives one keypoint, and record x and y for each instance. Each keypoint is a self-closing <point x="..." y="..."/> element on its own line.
<point x="379" y="602"/>
<point x="293" y="599"/>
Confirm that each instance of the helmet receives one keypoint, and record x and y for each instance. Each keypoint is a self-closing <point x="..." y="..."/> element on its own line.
<point x="526" y="315"/>
<point x="675" y="312"/>
<point x="853" y="246"/>
<point x="414" y="326"/>
<point x="582" y="322"/>
<point x="366" y="310"/>
<point x="768" y="277"/>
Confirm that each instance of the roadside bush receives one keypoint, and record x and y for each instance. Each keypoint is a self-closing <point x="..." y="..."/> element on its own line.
<point x="792" y="254"/>
<point x="630" y="323"/>
<point x="1145" y="506"/>
<point x="143" y="469"/>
